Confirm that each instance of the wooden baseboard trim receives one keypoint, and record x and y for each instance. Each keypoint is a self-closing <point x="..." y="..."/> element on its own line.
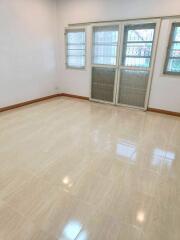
<point x="177" y="114"/>
<point x="73" y="96"/>
<point x="28" y="102"/>
<point x="18" y="105"/>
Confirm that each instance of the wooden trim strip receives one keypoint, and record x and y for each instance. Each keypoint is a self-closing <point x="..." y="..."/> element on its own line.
<point x="74" y="96"/>
<point x="41" y="99"/>
<point x="177" y="114"/>
<point x="28" y="102"/>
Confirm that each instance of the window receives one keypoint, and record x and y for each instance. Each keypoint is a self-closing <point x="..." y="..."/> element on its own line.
<point x="172" y="64"/>
<point x="75" y="48"/>
<point x="138" y="42"/>
<point x="105" y="41"/>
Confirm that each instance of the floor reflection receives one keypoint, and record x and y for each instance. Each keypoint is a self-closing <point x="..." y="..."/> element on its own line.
<point x="71" y="230"/>
<point x="67" y="181"/>
<point x="127" y="150"/>
<point x="162" y="157"/>
<point x="82" y="236"/>
<point x="140" y="216"/>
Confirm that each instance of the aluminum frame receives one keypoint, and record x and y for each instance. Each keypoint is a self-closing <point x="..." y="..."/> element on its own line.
<point x="119" y="66"/>
<point x="170" y="42"/>
<point x="104" y="65"/>
<point x="150" y="69"/>
<point x="75" y="29"/>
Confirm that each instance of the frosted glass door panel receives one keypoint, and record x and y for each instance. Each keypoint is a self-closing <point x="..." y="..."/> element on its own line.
<point x="132" y="87"/>
<point x="103" y="84"/>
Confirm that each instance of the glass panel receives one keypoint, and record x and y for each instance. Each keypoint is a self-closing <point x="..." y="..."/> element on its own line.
<point x="139" y="49"/>
<point x="140" y="35"/>
<point x="75" y="52"/>
<point x="175" y="53"/>
<point x="132" y="88"/>
<point x="175" y="46"/>
<point x="107" y="34"/>
<point x="108" y="51"/>
<point x="105" y="60"/>
<point x="138" y="42"/>
<point x="76" y="61"/>
<point x="105" y="40"/>
<point x="76" y="48"/>
<point x="173" y="65"/>
<point x="137" y="62"/>
<point x="175" y="50"/>
<point x="177" y="34"/>
<point x="103" y="83"/>
<point x="75" y="37"/>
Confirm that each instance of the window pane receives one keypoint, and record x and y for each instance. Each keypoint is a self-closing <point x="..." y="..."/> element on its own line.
<point x="105" y="60"/>
<point x="105" y="40"/>
<point x="75" y="52"/>
<point x="105" y="54"/>
<point x="175" y="50"/>
<point x="140" y="35"/>
<point x="139" y="49"/>
<point x="75" y="48"/>
<point x="137" y="62"/>
<point x="76" y="61"/>
<point x="107" y="34"/>
<point x="177" y="34"/>
<point x="108" y="51"/>
<point x="173" y="65"/>
<point x="174" y="53"/>
<point x="76" y="37"/>
<point x="138" y="42"/>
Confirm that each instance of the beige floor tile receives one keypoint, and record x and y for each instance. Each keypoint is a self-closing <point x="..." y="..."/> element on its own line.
<point x="14" y="226"/>
<point x="103" y="227"/>
<point x="50" y="208"/>
<point x="78" y="169"/>
<point x="163" y="220"/>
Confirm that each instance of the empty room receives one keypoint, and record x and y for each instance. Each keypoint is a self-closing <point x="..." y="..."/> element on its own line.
<point x="89" y="120"/>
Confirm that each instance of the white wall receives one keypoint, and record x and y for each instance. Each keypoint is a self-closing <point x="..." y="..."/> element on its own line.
<point x="165" y="90"/>
<point x="165" y="93"/>
<point x="28" y="67"/>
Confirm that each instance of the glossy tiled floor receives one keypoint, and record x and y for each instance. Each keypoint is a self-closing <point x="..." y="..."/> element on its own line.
<point x="73" y="169"/>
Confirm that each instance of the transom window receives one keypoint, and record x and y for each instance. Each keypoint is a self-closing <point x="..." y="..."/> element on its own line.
<point x="137" y="46"/>
<point x="75" y="48"/>
<point x="105" y="41"/>
<point x="172" y="64"/>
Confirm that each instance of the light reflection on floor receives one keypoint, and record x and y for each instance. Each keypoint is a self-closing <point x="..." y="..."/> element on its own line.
<point x="162" y="157"/>
<point x="127" y="150"/>
<point x="71" y="230"/>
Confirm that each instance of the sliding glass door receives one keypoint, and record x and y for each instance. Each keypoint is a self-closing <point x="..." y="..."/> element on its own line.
<point x="122" y="64"/>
